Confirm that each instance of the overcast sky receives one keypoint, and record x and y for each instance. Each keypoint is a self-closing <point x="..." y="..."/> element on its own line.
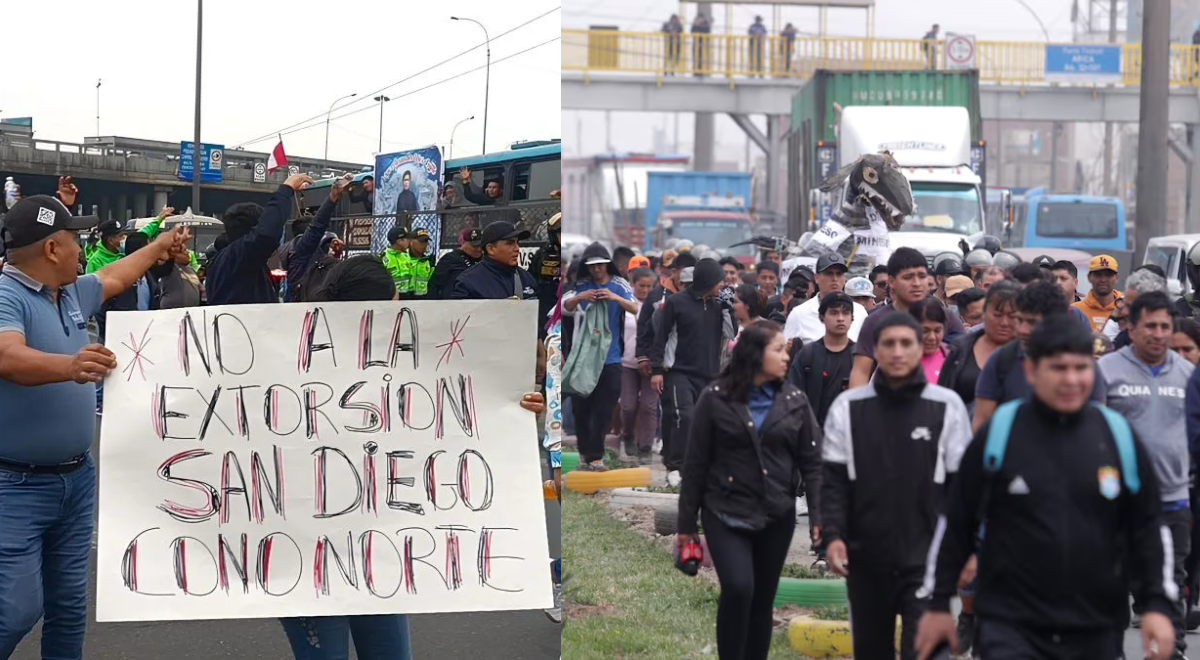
<point x="907" y="19"/>
<point x="269" y="64"/>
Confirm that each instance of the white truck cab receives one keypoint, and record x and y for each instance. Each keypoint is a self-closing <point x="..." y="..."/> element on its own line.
<point x="932" y="145"/>
<point x="1170" y="254"/>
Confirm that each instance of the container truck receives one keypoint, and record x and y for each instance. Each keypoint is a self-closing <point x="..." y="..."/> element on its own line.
<point x="709" y="208"/>
<point x="930" y="122"/>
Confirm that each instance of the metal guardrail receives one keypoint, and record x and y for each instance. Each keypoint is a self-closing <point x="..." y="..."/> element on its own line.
<point x="780" y="57"/>
<point x="358" y="231"/>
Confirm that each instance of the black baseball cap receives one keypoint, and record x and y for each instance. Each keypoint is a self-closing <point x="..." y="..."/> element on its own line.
<point x="421" y="235"/>
<point x="832" y="298"/>
<point x="110" y="228"/>
<point x="1044" y="261"/>
<point x="396" y="233"/>
<point x="502" y="230"/>
<point x="947" y="267"/>
<point x="471" y="236"/>
<point x="38" y="217"/>
<point x="829" y="260"/>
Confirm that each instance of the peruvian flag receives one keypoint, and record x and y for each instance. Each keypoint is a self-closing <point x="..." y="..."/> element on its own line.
<point x="278" y="158"/>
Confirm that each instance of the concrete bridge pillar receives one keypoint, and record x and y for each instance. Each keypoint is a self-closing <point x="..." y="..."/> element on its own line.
<point x="704" y="142"/>
<point x="122" y="210"/>
<point x="140" y="200"/>
<point x="160" y="200"/>
<point x="105" y="208"/>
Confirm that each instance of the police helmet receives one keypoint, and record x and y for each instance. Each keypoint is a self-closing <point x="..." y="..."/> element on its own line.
<point x="989" y="243"/>
<point x="1006" y="260"/>
<point x="979" y="258"/>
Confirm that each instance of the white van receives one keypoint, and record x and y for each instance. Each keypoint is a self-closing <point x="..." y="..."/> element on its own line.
<point x="1170" y="254"/>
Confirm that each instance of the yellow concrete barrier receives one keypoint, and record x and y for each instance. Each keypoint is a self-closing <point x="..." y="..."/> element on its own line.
<point x="824" y="639"/>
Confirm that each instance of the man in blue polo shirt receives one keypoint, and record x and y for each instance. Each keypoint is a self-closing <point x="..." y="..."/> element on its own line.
<point x="48" y="376"/>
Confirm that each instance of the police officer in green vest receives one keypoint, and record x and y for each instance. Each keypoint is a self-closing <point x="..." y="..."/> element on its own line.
<point x="420" y="264"/>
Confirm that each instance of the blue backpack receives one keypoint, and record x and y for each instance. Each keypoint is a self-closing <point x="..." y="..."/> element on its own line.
<point x="1001" y="426"/>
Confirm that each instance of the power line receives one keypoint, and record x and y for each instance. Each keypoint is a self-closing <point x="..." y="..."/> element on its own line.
<point x="297" y="128"/>
<point x="362" y="97"/>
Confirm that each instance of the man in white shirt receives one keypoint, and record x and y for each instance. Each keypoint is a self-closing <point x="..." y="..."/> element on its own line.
<point x="804" y="321"/>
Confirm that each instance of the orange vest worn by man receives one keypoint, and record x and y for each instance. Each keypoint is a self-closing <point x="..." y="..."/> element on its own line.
<point x="1100" y="302"/>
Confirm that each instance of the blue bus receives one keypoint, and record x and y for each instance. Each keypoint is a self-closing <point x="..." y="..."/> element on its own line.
<point x="529" y="171"/>
<point x="1088" y="223"/>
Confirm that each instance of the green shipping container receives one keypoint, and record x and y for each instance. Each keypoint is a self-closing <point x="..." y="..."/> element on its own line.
<point x="815" y="101"/>
<point x="814" y="119"/>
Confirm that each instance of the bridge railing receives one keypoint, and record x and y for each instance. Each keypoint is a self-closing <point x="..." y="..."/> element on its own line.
<point x="779" y="57"/>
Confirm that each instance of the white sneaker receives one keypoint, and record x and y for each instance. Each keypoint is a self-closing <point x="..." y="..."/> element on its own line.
<point x="657" y="447"/>
<point x="555" y="613"/>
<point x="801" y="506"/>
<point x="673" y="478"/>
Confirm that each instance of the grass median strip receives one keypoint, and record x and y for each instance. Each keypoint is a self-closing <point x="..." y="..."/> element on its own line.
<point x="625" y="599"/>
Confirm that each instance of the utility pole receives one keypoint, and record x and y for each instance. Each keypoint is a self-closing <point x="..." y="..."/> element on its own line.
<point x="1107" y="187"/>
<point x="705" y="131"/>
<point x="1151" y="214"/>
<point x="382" y="99"/>
<point x="197" y="150"/>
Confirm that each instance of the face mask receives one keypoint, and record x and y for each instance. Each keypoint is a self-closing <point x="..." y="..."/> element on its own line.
<point x="954" y="308"/>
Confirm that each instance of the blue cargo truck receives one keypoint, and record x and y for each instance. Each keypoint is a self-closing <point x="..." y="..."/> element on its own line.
<point x="707" y="208"/>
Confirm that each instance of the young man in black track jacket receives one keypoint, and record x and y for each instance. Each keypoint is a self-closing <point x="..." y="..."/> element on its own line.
<point x="889" y="449"/>
<point x="1064" y="531"/>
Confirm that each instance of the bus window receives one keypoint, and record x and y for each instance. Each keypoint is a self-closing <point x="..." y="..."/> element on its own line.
<point x="1076" y="220"/>
<point x="479" y="178"/>
<point x="536" y="180"/>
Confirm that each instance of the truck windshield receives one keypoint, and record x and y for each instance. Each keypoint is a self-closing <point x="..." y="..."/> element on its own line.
<point x="944" y="207"/>
<point x="717" y="234"/>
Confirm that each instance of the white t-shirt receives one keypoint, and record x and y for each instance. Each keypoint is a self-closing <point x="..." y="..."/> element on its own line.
<point x="628" y="359"/>
<point x="805" y="321"/>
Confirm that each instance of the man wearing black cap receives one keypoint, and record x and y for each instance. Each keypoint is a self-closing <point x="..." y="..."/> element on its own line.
<point x="804" y="322"/>
<point x="238" y="275"/>
<point x="686" y="356"/>
<point x="670" y="284"/>
<point x="944" y="270"/>
<point x="498" y="275"/>
<point x="307" y="248"/>
<point x="48" y="373"/>
<point x="421" y="264"/>
<point x="453" y="263"/>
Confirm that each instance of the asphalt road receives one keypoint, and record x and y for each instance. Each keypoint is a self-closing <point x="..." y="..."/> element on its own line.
<point x="520" y="635"/>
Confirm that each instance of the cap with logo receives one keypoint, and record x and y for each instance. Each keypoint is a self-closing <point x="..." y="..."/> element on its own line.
<point x="38" y="217"/>
<point x="421" y="235"/>
<point x="829" y="260"/>
<point x="638" y="261"/>
<point x="832" y="298"/>
<point x="957" y="284"/>
<point x="1044" y="261"/>
<point x="396" y="233"/>
<point x="469" y="236"/>
<point x="860" y="287"/>
<point x="110" y="228"/>
<point x="502" y="230"/>
<point x="1102" y="262"/>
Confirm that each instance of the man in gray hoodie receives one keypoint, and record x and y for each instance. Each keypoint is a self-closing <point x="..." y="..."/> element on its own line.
<point x="1147" y="383"/>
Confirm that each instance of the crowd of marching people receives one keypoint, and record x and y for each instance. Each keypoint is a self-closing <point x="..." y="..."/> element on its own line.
<point x="61" y="271"/>
<point x="972" y="428"/>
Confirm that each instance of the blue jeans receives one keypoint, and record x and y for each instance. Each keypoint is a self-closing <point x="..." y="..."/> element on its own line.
<point x="46" y="523"/>
<point x="376" y="637"/>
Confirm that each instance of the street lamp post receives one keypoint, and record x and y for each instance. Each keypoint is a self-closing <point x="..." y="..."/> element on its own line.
<point x="382" y="99"/>
<point x="487" y="80"/>
<point x="348" y="96"/>
<point x="196" y="148"/>
<point x="452" y="134"/>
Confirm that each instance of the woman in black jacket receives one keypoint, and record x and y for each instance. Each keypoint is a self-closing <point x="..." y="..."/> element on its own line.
<point x="753" y="436"/>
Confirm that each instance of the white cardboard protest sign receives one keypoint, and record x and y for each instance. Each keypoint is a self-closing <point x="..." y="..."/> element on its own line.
<point x="307" y="460"/>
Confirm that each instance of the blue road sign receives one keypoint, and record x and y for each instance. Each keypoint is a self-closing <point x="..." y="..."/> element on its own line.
<point x="1083" y="63"/>
<point x="212" y="162"/>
